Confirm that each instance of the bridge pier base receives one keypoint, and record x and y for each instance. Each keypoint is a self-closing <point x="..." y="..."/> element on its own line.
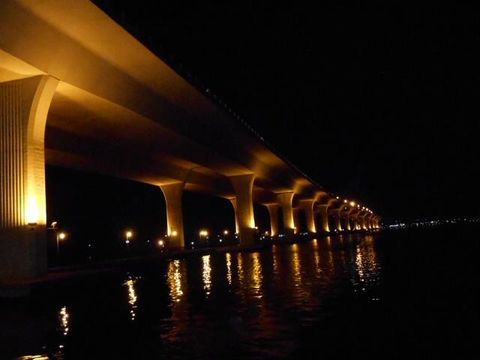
<point x="307" y="206"/>
<point x="273" y="212"/>
<point x="337" y="220"/>
<point x="323" y="215"/>
<point x="285" y="199"/>
<point x="243" y="205"/>
<point x="173" y="198"/>
<point x="24" y="106"/>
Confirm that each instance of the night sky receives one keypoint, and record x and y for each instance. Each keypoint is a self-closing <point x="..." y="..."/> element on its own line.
<point x="371" y="101"/>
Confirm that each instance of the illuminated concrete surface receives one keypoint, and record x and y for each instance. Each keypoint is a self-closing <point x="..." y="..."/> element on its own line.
<point x="78" y="91"/>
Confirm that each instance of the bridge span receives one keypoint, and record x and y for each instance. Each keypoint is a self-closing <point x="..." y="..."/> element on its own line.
<point x="78" y="91"/>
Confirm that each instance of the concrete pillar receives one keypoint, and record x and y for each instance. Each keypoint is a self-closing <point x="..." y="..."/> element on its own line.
<point x="369" y="221"/>
<point x="353" y="220"/>
<point x="346" y="218"/>
<point x="307" y="206"/>
<point x="173" y="198"/>
<point x="296" y="220"/>
<point x="323" y="216"/>
<point x="24" y="107"/>
<point x="243" y="205"/>
<point x="273" y="212"/>
<point x="361" y="221"/>
<point x="336" y="214"/>
<point x="285" y="200"/>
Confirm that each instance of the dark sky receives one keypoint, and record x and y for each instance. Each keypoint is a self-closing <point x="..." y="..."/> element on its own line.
<point x="372" y="101"/>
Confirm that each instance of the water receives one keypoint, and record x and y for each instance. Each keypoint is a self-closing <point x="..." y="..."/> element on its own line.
<point x="389" y="295"/>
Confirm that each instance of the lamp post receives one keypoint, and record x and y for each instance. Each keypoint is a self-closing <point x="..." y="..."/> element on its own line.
<point x="128" y="236"/>
<point x="60" y="237"/>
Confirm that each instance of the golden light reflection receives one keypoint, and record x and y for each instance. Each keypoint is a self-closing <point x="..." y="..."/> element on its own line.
<point x="228" y="258"/>
<point x="366" y="265"/>
<point x="256" y="275"/>
<point x="329" y="241"/>
<point x="174" y="279"/>
<point x="64" y="320"/>
<point x="206" y="274"/>
<point x="296" y="265"/>
<point x="316" y="256"/>
<point x="132" y="297"/>
<point x="274" y="260"/>
<point x="240" y="268"/>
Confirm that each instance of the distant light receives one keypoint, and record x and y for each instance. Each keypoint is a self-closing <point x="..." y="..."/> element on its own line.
<point x="345" y="201"/>
<point x="225" y="232"/>
<point x="203" y="233"/>
<point x="174" y="233"/>
<point x="352" y="203"/>
<point x="161" y="243"/>
<point x="127" y="241"/>
<point x="62" y="236"/>
<point x="338" y="197"/>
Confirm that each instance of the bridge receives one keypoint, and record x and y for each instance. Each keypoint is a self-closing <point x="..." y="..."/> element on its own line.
<point x="78" y="91"/>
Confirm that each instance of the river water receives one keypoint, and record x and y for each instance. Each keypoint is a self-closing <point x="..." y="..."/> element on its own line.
<point x="385" y="295"/>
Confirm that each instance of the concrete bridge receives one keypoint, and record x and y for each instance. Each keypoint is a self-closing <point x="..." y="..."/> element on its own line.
<point x="78" y="91"/>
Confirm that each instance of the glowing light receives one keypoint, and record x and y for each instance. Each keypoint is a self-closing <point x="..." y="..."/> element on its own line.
<point x="174" y="233"/>
<point x="32" y="214"/>
<point x="62" y="236"/>
<point x="345" y="201"/>
<point x="225" y="232"/>
<point x="338" y="197"/>
<point x="203" y="233"/>
<point x="352" y="203"/>
<point x="161" y="243"/>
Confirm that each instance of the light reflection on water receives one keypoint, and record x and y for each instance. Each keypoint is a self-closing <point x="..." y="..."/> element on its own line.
<point x="174" y="278"/>
<point x="206" y="274"/>
<point x="132" y="296"/>
<point x="252" y="303"/>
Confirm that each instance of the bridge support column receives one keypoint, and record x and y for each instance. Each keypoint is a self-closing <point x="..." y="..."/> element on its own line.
<point x="273" y="212"/>
<point x="296" y="220"/>
<point x="307" y="206"/>
<point x="285" y="200"/>
<point x="369" y="222"/>
<point x="173" y="198"/>
<point x="24" y="107"/>
<point x="336" y="214"/>
<point x="346" y="219"/>
<point x="243" y="205"/>
<point x="323" y="215"/>
<point x="363" y="222"/>
<point x="353" y="221"/>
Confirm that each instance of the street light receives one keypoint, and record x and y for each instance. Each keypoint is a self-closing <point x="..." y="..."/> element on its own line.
<point x="60" y="237"/>
<point x="128" y="236"/>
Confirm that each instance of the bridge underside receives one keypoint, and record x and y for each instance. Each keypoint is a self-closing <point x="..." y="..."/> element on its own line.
<point x="78" y="91"/>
